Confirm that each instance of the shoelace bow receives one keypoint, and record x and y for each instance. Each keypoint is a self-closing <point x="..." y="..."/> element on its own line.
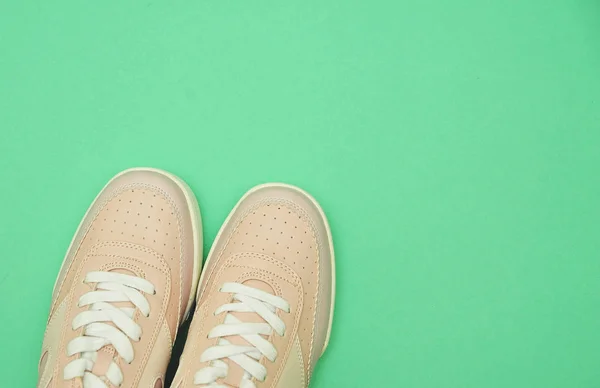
<point x="247" y="300"/>
<point x="111" y="288"/>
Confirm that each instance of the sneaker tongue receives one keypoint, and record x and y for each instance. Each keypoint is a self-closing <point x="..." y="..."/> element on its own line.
<point x="236" y="373"/>
<point x="107" y="353"/>
<point x="123" y="304"/>
<point x="103" y="359"/>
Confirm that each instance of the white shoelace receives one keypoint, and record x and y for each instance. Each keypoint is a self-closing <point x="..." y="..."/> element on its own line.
<point x="249" y="300"/>
<point x="111" y="288"/>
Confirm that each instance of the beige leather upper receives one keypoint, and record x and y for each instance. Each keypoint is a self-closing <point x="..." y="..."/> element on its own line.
<point x="143" y="224"/>
<point x="276" y="239"/>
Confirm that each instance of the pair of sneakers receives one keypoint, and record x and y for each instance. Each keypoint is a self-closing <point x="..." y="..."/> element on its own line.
<point x="264" y="301"/>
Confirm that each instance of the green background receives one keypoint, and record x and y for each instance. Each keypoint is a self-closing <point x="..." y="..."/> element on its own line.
<point x="455" y="146"/>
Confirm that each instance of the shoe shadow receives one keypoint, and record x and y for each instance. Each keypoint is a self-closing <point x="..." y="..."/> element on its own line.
<point x="178" y="349"/>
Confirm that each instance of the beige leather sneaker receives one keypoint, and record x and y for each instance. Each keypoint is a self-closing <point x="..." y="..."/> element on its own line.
<point x="128" y="280"/>
<point x="265" y="301"/>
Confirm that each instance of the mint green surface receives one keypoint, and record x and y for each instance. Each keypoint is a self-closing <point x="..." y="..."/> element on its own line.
<point x="454" y="145"/>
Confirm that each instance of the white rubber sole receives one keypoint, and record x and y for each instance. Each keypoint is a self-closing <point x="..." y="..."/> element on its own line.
<point x="330" y="239"/>
<point x="196" y="227"/>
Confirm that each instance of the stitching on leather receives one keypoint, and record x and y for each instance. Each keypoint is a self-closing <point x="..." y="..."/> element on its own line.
<point x="301" y="363"/>
<point x="117" y="191"/>
<point x="163" y="270"/>
<point x="139" y="248"/>
<point x="214" y="289"/>
<point x="161" y="317"/>
<point x="118" y="264"/>
<point x="316" y="309"/>
<point x="46" y="348"/>
<point x="52" y="318"/>
<point x="160" y="375"/>
<point x="175" y="209"/>
<point x="292" y="333"/>
<point x="62" y="345"/>
<point x="123" y="244"/>
<point x="264" y="202"/>
<point x="171" y="339"/>
<point x="121" y="264"/>
<point x="232" y="262"/>
<point x="319" y="248"/>
<point x="263" y="271"/>
<point x="261" y="275"/>
<point x="108" y="266"/>
<point x="198" y="338"/>
<point x="278" y="291"/>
